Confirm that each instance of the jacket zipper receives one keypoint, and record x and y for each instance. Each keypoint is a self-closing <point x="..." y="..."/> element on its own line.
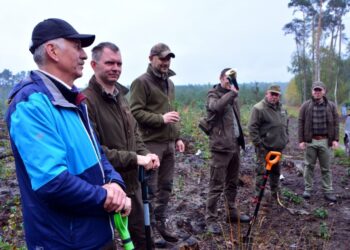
<point x="94" y="143"/>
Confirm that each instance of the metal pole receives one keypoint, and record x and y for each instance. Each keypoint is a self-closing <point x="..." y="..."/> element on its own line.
<point x="144" y="188"/>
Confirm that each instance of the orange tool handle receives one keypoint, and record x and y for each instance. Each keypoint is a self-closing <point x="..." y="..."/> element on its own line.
<point x="269" y="162"/>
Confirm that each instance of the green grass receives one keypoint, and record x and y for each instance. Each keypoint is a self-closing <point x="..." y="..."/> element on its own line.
<point x="320" y="213"/>
<point x="291" y="196"/>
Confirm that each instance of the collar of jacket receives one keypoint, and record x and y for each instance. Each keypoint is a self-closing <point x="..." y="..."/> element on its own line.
<point x="274" y="106"/>
<point x="61" y="95"/>
<point x="157" y="74"/>
<point x="99" y="89"/>
<point x="325" y="100"/>
<point x="221" y="89"/>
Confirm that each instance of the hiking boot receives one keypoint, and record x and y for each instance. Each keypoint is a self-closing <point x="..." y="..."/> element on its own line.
<point x="167" y="234"/>
<point x="306" y="195"/>
<point x="330" y="197"/>
<point x="233" y="217"/>
<point x="157" y="239"/>
<point x="214" y="228"/>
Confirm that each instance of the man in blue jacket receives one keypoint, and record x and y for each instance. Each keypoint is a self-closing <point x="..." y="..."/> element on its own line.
<point x="69" y="190"/>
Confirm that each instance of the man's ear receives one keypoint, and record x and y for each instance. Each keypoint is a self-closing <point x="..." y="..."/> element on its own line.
<point x="51" y="50"/>
<point x="93" y="64"/>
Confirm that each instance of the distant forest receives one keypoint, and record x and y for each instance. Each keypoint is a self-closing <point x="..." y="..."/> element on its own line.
<point x="186" y="95"/>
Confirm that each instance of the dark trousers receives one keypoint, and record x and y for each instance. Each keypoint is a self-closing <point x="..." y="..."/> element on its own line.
<point x="224" y="177"/>
<point x="160" y="182"/>
<point x="136" y="221"/>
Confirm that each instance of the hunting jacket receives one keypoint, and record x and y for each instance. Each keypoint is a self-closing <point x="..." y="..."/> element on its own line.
<point x="305" y="121"/>
<point x="222" y="104"/>
<point x="151" y="96"/>
<point x="268" y="126"/>
<point x="117" y="130"/>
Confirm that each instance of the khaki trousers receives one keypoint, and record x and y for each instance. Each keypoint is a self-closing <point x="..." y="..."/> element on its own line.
<point x="318" y="149"/>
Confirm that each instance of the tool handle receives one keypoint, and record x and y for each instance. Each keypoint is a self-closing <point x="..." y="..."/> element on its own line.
<point x="121" y="223"/>
<point x="270" y="162"/>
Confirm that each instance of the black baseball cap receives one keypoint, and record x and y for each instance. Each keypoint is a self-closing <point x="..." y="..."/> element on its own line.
<point x="53" y="28"/>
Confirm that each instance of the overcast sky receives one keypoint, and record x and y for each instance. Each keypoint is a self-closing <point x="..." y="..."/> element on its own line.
<point x="205" y="35"/>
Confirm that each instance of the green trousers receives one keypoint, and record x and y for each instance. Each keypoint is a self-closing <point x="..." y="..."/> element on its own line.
<point x="318" y="149"/>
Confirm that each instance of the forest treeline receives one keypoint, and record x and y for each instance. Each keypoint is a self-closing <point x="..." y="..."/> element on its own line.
<point x="190" y="95"/>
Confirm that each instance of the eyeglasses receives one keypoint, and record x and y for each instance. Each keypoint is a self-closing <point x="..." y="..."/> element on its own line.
<point x="317" y="89"/>
<point x="274" y="94"/>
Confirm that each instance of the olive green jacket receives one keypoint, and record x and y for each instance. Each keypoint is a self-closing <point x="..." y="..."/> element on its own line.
<point x="268" y="126"/>
<point x="117" y="130"/>
<point x="151" y="96"/>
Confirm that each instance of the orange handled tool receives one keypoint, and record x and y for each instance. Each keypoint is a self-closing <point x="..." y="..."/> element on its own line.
<point x="270" y="162"/>
<point x="271" y="159"/>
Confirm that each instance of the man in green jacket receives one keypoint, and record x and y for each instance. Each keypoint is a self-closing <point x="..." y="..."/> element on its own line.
<point x="318" y="132"/>
<point x="117" y="130"/>
<point x="268" y="129"/>
<point x="225" y="139"/>
<point x="152" y="104"/>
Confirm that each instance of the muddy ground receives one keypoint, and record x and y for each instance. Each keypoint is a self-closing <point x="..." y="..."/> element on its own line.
<point x="322" y="225"/>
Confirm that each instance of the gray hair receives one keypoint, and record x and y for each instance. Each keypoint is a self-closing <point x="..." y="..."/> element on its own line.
<point x="97" y="50"/>
<point x="40" y="56"/>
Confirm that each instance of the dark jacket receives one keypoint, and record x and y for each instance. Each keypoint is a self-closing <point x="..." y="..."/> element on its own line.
<point x="151" y="96"/>
<point x="222" y="105"/>
<point x="305" y="121"/>
<point x="117" y="130"/>
<point x="268" y="126"/>
<point x="60" y="167"/>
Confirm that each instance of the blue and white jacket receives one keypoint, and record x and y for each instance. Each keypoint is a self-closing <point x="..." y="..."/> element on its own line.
<point x="60" y="167"/>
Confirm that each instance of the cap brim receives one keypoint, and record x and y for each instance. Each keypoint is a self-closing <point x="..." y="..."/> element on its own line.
<point x="86" y="40"/>
<point x="166" y="54"/>
<point x="274" y="92"/>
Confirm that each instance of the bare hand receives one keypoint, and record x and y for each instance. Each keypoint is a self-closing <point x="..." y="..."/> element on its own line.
<point x="171" y="117"/>
<point x="232" y="88"/>
<point x="335" y="144"/>
<point x="302" y="145"/>
<point x="155" y="160"/>
<point x="145" y="161"/>
<point x="115" y="198"/>
<point x="127" y="208"/>
<point x="180" y="146"/>
<point x="149" y="161"/>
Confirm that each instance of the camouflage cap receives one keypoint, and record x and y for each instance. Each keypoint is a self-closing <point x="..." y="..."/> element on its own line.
<point x="274" y="88"/>
<point x="162" y="50"/>
<point x="318" y="84"/>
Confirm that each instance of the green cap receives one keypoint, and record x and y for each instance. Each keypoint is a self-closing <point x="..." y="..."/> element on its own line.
<point x="275" y="89"/>
<point x="318" y="84"/>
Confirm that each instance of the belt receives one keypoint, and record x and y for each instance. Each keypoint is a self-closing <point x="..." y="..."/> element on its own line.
<point x="319" y="137"/>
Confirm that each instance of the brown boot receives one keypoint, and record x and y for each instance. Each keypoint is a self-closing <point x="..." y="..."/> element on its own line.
<point x="167" y="233"/>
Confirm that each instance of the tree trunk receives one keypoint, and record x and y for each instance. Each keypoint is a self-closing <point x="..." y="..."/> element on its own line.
<point x="319" y="31"/>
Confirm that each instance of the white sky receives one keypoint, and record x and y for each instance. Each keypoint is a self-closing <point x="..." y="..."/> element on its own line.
<point x="205" y="35"/>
